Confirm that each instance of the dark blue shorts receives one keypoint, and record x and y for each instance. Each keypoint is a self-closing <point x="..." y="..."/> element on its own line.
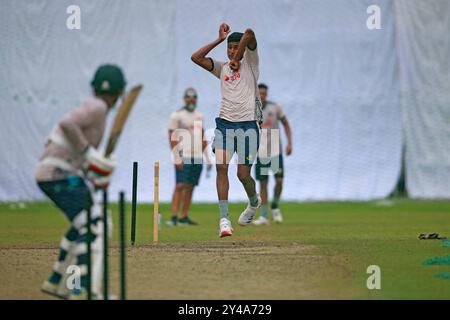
<point x="241" y="137"/>
<point x="190" y="173"/>
<point x="71" y="195"/>
<point x="266" y="165"/>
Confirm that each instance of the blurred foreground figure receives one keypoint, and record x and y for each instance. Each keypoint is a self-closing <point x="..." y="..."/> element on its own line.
<point x="69" y="171"/>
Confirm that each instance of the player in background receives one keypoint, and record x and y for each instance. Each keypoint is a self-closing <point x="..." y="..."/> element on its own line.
<point x="69" y="170"/>
<point x="237" y="127"/>
<point x="270" y="155"/>
<point x="186" y="124"/>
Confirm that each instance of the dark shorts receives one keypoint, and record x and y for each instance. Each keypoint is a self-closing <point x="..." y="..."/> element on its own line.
<point x="241" y="137"/>
<point x="265" y="166"/>
<point x="190" y="173"/>
<point x="71" y="195"/>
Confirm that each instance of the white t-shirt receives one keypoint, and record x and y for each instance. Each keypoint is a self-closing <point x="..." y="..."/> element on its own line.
<point x="238" y="88"/>
<point x="187" y="127"/>
<point x="85" y="126"/>
<point x="270" y="139"/>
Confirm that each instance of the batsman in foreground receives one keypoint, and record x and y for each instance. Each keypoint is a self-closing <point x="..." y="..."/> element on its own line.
<point x="270" y="156"/>
<point x="237" y="127"/>
<point x="69" y="171"/>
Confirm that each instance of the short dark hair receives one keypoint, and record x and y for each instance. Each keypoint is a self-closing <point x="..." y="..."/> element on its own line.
<point x="190" y="89"/>
<point x="235" y="37"/>
<point x="263" y="86"/>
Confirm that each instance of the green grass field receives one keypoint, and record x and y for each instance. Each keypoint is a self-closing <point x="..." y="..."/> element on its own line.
<point x="341" y="241"/>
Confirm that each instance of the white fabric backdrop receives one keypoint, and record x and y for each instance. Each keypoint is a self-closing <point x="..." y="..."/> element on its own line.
<point x="46" y="70"/>
<point x="424" y="48"/>
<point x="336" y="79"/>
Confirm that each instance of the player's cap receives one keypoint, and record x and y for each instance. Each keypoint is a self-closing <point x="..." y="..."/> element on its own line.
<point x="108" y="79"/>
<point x="235" y="37"/>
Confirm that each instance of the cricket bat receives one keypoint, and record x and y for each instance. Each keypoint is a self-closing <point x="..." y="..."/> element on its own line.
<point x="121" y="118"/>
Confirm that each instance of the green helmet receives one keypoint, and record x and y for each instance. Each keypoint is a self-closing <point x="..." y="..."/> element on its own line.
<point x="108" y="79"/>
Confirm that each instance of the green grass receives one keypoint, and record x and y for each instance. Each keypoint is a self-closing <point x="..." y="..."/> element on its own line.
<point x="359" y="234"/>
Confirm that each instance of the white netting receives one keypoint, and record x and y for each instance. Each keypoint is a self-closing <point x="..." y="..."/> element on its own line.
<point x="337" y="81"/>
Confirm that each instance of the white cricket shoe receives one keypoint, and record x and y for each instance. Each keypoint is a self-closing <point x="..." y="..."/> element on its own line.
<point x="261" y="220"/>
<point x="53" y="290"/>
<point x="247" y="216"/>
<point x="226" y="229"/>
<point x="277" y="217"/>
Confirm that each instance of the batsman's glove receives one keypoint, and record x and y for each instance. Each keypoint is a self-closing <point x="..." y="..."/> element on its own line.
<point x="98" y="169"/>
